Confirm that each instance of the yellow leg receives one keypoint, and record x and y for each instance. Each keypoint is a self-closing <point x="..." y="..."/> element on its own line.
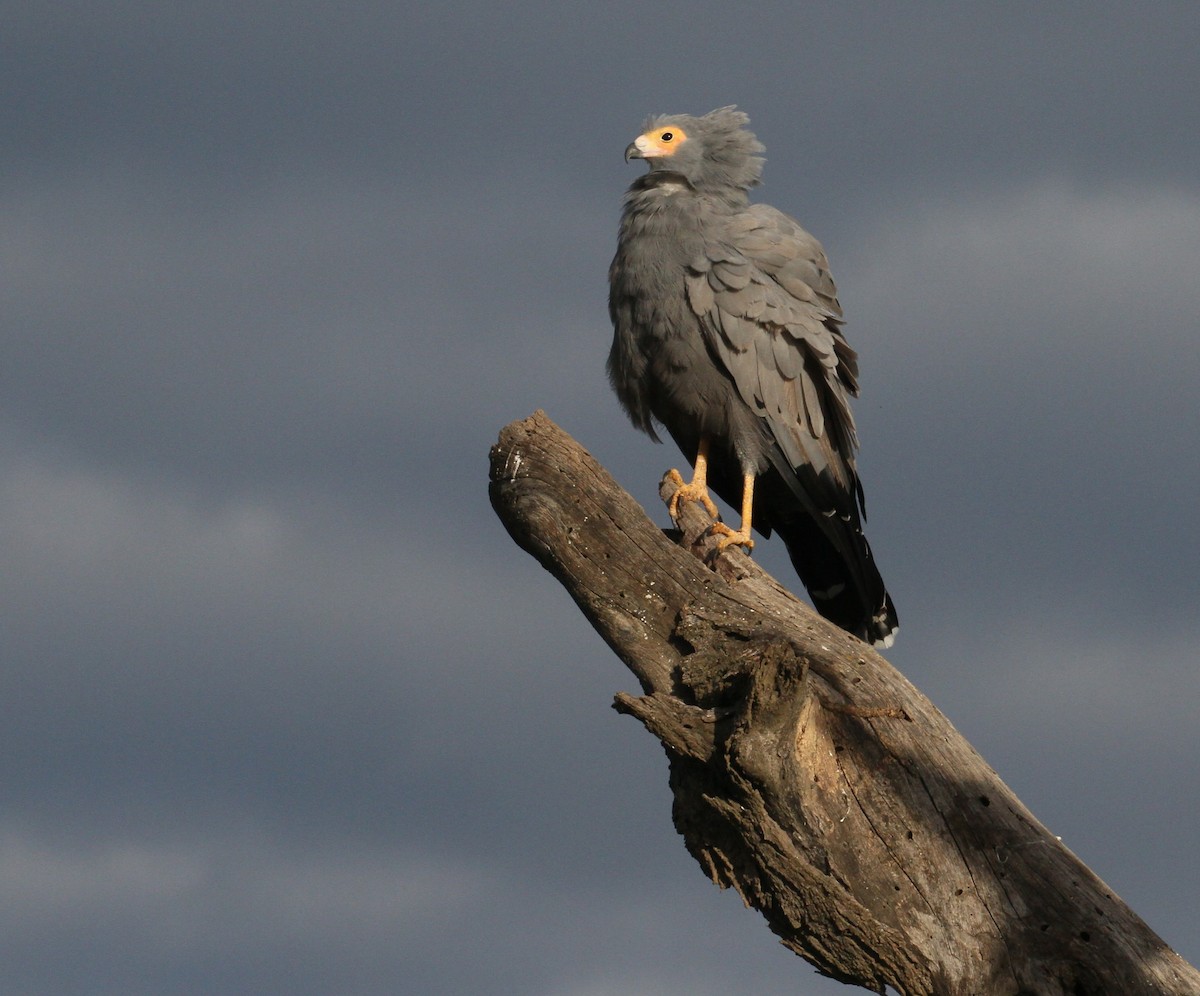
<point x="697" y="488"/>
<point x="742" y="536"/>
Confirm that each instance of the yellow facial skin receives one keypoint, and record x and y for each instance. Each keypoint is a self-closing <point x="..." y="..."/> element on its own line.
<point x="659" y="143"/>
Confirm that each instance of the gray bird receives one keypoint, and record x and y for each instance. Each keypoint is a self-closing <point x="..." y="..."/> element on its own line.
<point x="727" y="332"/>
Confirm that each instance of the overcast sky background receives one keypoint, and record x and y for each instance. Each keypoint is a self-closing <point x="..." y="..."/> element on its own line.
<point x="285" y="710"/>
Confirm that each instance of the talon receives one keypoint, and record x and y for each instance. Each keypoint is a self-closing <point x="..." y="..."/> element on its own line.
<point x="731" y="537"/>
<point x="696" y="490"/>
<point x="739" y="537"/>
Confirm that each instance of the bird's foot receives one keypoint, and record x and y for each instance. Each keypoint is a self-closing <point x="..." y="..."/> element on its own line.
<point x="689" y="491"/>
<point x="731" y="537"/>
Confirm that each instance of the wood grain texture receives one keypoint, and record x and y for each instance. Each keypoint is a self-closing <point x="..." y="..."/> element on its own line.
<point x="808" y="773"/>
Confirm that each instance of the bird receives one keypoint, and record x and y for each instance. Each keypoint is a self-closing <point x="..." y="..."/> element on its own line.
<point x="727" y="332"/>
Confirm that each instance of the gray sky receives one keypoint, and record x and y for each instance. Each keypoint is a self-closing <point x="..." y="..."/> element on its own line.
<point x="284" y="709"/>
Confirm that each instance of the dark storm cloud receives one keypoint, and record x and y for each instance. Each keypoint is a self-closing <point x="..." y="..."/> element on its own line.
<point x="1047" y="336"/>
<point x="285" y="709"/>
<point x="236" y="339"/>
<point x="927" y="91"/>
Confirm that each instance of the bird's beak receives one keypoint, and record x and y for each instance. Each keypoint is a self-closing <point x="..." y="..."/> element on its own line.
<point x="633" y="152"/>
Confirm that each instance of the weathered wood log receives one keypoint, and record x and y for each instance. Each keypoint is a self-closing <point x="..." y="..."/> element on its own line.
<point x="810" y="775"/>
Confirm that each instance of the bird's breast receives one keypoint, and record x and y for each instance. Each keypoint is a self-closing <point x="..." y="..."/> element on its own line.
<point x="658" y="238"/>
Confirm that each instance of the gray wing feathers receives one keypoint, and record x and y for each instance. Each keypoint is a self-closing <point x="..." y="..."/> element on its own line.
<point x="769" y="308"/>
<point x="788" y="357"/>
<point x="729" y="275"/>
<point x="812" y="405"/>
<point x="700" y="294"/>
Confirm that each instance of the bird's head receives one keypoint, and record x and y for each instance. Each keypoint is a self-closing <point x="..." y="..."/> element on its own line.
<point x="713" y="151"/>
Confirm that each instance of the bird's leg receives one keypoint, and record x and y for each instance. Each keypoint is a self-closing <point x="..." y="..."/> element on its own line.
<point x="742" y="536"/>
<point x="697" y="488"/>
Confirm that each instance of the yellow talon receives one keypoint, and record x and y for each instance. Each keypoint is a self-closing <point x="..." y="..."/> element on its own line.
<point x="731" y="537"/>
<point x="738" y="537"/>
<point x="697" y="490"/>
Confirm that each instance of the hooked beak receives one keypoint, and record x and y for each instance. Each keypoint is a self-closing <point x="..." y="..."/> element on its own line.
<point x="633" y="152"/>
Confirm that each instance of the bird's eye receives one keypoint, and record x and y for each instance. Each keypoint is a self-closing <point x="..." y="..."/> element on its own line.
<point x="666" y="136"/>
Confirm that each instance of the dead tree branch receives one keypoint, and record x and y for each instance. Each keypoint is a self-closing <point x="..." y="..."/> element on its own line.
<point x="809" y="774"/>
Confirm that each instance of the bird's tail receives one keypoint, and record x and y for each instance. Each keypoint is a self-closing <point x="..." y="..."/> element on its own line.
<point x="839" y="572"/>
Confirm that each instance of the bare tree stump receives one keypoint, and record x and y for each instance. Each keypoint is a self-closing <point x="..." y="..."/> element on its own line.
<point x="809" y="774"/>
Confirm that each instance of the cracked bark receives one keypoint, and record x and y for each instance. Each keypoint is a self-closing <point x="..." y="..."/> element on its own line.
<point x="810" y="775"/>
